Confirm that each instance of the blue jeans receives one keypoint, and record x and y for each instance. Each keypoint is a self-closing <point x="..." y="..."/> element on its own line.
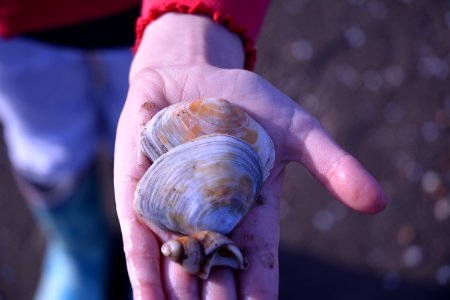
<point x="56" y="104"/>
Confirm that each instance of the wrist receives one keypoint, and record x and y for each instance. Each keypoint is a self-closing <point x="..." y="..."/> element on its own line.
<point x="185" y="39"/>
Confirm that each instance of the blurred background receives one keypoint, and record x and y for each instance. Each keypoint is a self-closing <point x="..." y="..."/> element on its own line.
<point x="377" y="75"/>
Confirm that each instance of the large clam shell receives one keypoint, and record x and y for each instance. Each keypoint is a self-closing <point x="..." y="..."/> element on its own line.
<point x="208" y="184"/>
<point x="185" y="121"/>
<point x="209" y="162"/>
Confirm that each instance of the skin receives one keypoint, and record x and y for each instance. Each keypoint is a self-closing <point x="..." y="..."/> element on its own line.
<point x="184" y="58"/>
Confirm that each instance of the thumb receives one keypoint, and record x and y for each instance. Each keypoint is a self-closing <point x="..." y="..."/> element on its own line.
<point x="333" y="167"/>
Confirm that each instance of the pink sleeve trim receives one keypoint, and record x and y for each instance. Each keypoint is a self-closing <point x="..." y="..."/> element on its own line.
<point x="202" y="9"/>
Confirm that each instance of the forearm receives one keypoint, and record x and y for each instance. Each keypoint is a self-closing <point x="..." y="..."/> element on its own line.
<point x="212" y="43"/>
<point x="185" y="39"/>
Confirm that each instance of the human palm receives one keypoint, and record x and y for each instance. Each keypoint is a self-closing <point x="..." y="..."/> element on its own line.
<point x="297" y="137"/>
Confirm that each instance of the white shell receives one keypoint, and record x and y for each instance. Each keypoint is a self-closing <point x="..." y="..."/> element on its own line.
<point x="208" y="183"/>
<point x="184" y="121"/>
<point x="209" y="162"/>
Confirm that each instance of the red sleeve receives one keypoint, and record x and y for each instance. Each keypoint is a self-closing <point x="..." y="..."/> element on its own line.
<point x="244" y="17"/>
<point x="25" y="16"/>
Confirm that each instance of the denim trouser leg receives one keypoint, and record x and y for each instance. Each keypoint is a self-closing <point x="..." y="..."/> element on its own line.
<point x="55" y="105"/>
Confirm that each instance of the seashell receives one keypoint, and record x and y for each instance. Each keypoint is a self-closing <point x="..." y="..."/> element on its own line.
<point x="209" y="183"/>
<point x="201" y="185"/>
<point x="203" y="250"/>
<point x="185" y="121"/>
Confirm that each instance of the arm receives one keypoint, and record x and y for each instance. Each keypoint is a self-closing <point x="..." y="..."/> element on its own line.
<point x="243" y="18"/>
<point x="186" y="57"/>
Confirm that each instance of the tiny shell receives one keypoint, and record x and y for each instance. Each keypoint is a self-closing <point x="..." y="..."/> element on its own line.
<point x="185" y="121"/>
<point x="203" y="250"/>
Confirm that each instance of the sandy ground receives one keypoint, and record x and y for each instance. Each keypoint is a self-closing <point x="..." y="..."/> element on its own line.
<point x="376" y="74"/>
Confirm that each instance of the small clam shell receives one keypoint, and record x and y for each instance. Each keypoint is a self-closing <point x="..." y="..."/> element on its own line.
<point x="208" y="183"/>
<point x="185" y="121"/>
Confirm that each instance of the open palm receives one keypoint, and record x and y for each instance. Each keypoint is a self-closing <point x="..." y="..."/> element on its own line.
<point x="297" y="137"/>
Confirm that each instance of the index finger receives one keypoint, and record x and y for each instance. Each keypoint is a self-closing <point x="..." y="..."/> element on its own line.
<point x="258" y="236"/>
